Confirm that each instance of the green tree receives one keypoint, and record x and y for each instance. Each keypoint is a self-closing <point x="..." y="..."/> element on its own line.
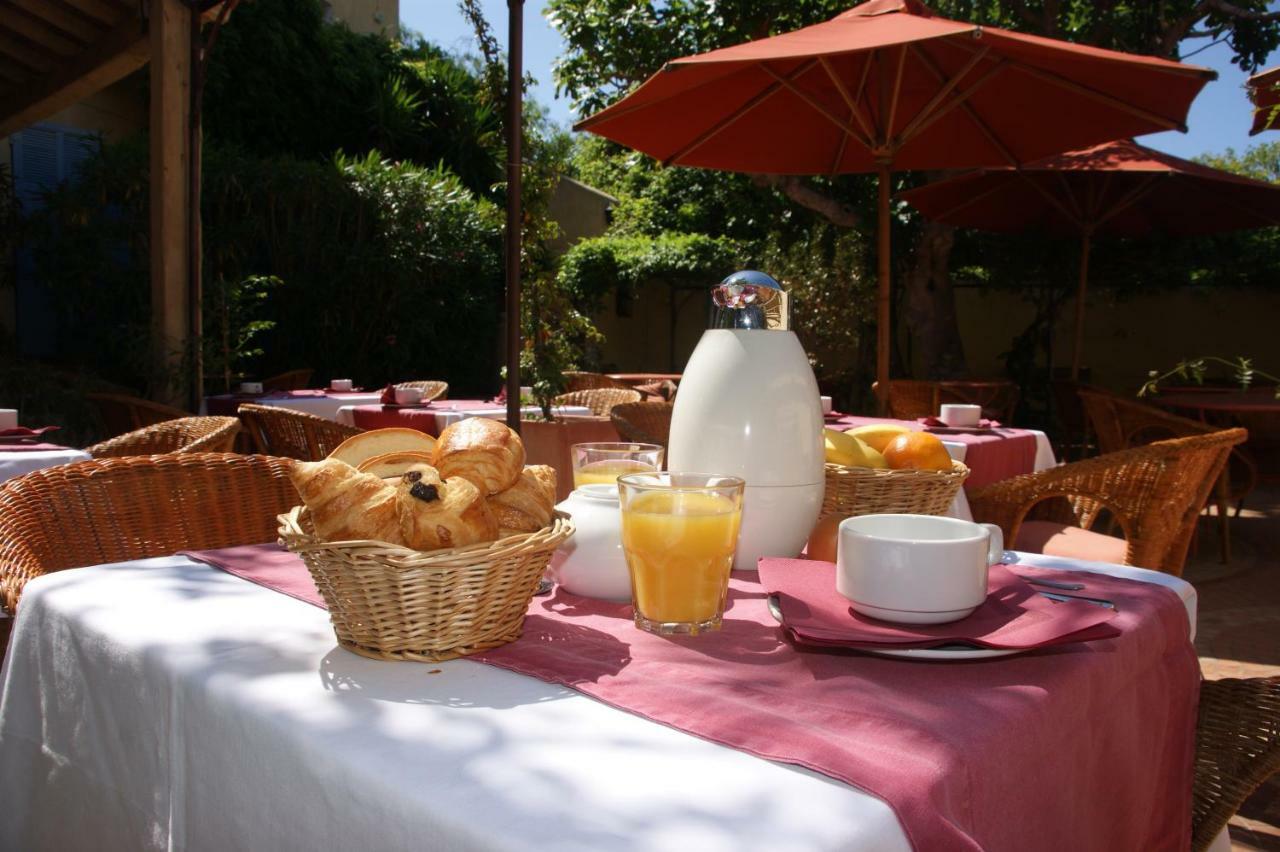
<point x="613" y="45"/>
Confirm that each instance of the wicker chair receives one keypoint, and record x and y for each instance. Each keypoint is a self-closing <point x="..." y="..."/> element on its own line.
<point x="578" y="381"/>
<point x="184" y="435"/>
<point x="600" y="400"/>
<point x="643" y="422"/>
<point x="1237" y="750"/>
<point x="121" y="413"/>
<point x="112" y="510"/>
<point x="430" y="389"/>
<point x="292" y="380"/>
<point x="1153" y="492"/>
<point x="292" y="434"/>
<point x="1120" y="423"/>
<point x="911" y="399"/>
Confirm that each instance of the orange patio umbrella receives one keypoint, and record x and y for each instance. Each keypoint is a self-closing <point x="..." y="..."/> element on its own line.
<point x="1264" y="91"/>
<point x="890" y="85"/>
<point x="1117" y="189"/>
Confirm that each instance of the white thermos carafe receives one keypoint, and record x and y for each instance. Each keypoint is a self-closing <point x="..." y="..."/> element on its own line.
<point x="748" y="406"/>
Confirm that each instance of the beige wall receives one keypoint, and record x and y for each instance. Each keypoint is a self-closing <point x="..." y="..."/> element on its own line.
<point x="581" y="211"/>
<point x="641" y="343"/>
<point x="1126" y="337"/>
<point x="368" y="16"/>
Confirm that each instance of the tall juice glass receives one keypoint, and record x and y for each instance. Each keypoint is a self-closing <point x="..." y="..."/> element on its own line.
<point x="602" y="463"/>
<point x="679" y="534"/>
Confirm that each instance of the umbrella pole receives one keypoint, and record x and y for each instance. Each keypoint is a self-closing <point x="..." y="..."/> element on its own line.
<point x="1077" y="351"/>
<point x="884" y="331"/>
<point x="515" y="118"/>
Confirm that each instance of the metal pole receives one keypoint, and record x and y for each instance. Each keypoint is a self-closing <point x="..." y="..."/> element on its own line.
<point x="195" y="261"/>
<point x="1078" y="351"/>
<point x="884" y="328"/>
<point x="515" y="117"/>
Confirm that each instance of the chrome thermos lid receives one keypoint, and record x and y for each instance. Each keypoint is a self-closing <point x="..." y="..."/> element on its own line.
<point x="750" y="300"/>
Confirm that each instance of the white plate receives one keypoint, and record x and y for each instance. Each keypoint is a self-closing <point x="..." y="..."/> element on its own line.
<point x="944" y="653"/>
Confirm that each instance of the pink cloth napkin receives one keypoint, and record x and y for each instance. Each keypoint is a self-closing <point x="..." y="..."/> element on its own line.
<point x="1014" y="615"/>
<point x="24" y="432"/>
<point x="1082" y="747"/>
<point x="935" y="423"/>
<point x="39" y="446"/>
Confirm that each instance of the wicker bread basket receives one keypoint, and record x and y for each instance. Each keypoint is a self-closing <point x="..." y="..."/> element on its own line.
<point x="868" y="491"/>
<point x="392" y="603"/>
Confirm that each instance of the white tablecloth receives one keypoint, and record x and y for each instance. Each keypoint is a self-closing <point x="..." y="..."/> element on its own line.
<point x="444" y="414"/>
<point x="1045" y="459"/>
<point x="17" y="463"/>
<point x="321" y="406"/>
<point x="163" y="704"/>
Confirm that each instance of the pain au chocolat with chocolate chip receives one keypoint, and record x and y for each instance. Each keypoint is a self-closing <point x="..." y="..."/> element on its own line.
<point x="423" y="508"/>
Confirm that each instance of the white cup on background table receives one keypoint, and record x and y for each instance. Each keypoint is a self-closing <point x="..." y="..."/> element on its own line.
<point x="954" y="414"/>
<point x="8" y="418"/>
<point x="341" y="385"/>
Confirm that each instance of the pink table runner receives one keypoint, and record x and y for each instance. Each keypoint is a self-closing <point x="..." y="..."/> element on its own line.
<point x="991" y="456"/>
<point x="1082" y="747"/>
<point x="8" y="447"/>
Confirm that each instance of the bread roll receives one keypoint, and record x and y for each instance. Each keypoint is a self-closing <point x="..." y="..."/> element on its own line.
<point x="377" y="442"/>
<point x="436" y="513"/>
<point x="393" y="465"/>
<point x="345" y="504"/>
<point x="528" y="505"/>
<point x="481" y="450"/>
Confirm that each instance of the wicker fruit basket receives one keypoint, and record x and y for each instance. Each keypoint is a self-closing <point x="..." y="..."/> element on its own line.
<point x="392" y="603"/>
<point x="867" y="491"/>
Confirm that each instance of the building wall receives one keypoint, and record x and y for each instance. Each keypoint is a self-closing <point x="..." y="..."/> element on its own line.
<point x="367" y="16"/>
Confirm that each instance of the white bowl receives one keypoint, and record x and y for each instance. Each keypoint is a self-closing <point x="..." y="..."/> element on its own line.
<point x="408" y="396"/>
<point x="954" y="414"/>
<point x="341" y="385"/>
<point x="915" y="569"/>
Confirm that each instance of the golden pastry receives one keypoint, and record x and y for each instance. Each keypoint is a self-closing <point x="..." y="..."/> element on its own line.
<point x="436" y="512"/>
<point x="345" y="504"/>
<point x="481" y="450"/>
<point x="528" y="505"/>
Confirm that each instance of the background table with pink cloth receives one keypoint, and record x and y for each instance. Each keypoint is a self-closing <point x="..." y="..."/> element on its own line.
<point x="992" y="455"/>
<point x="434" y="418"/>
<point x="321" y="403"/>
<point x="165" y="704"/>
<point x="17" y="459"/>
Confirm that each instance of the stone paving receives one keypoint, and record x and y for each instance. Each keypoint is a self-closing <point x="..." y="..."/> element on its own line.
<point x="1238" y="634"/>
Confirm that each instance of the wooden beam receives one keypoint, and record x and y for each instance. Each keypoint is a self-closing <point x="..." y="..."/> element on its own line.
<point x="25" y="54"/>
<point x="96" y="10"/>
<point x="118" y="53"/>
<point x="68" y="23"/>
<point x="170" y="27"/>
<point x="37" y="32"/>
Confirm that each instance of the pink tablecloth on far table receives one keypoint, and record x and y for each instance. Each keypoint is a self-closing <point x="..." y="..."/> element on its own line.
<point x="433" y="418"/>
<point x="1086" y="746"/>
<point x="991" y="455"/>
<point x="227" y="405"/>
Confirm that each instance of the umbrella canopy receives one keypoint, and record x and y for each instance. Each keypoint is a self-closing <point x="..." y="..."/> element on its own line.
<point x="890" y="85"/>
<point x="1118" y="189"/>
<point x="1264" y="91"/>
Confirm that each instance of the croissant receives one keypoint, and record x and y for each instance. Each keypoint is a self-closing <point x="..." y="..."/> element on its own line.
<point x="528" y="505"/>
<point x="420" y="510"/>
<point x="436" y="512"/>
<point x="481" y="450"/>
<point x="346" y="504"/>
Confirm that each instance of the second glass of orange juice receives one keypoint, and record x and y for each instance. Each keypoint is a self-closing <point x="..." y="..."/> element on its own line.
<point x="602" y="463"/>
<point x="679" y="535"/>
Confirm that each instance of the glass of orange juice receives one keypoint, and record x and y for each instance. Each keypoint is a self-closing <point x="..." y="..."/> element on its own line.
<point x="603" y="463"/>
<point x="679" y="534"/>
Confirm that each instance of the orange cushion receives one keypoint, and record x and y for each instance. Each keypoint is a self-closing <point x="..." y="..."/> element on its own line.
<point x="1061" y="540"/>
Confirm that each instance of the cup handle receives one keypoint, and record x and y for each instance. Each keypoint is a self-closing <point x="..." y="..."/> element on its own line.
<point x="995" y="549"/>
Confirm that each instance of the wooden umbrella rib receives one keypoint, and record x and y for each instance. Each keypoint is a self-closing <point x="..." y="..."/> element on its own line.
<point x="960" y="99"/>
<point x="968" y="109"/>
<point x="840" y="149"/>
<point x="755" y="100"/>
<point x="787" y="83"/>
<point x="897" y="91"/>
<point x="1068" y="193"/>
<point x="862" y="87"/>
<point x="1056" y="203"/>
<point x="848" y="99"/>
<point x="1101" y="97"/>
<point x="615" y="111"/>
<point x="909" y="130"/>
<point x="1136" y="195"/>
<point x="968" y="202"/>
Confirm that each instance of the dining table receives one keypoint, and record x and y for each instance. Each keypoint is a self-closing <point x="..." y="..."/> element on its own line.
<point x="433" y="417"/>
<point x="165" y="704"/>
<point x="320" y="402"/>
<point x="25" y="457"/>
<point x="1257" y="409"/>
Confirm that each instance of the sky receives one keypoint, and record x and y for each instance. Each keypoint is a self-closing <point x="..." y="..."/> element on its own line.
<point x="1219" y="117"/>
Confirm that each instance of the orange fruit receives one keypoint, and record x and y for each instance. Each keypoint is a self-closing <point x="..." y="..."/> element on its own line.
<point x="917" y="451"/>
<point x="822" y="541"/>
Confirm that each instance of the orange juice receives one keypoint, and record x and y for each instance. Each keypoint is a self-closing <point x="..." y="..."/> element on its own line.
<point x="679" y="547"/>
<point x="607" y="471"/>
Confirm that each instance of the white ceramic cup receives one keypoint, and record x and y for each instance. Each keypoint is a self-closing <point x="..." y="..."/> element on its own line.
<point x="526" y="391"/>
<point x="341" y="385"/>
<point x="8" y="418"/>
<point x="408" y="396"/>
<point x="954" y="414"/>
<point x="591" y="562"/>
<point x="251" y="387"/>
<point x="826" y="404"/>
<point x="915" y="569"/>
